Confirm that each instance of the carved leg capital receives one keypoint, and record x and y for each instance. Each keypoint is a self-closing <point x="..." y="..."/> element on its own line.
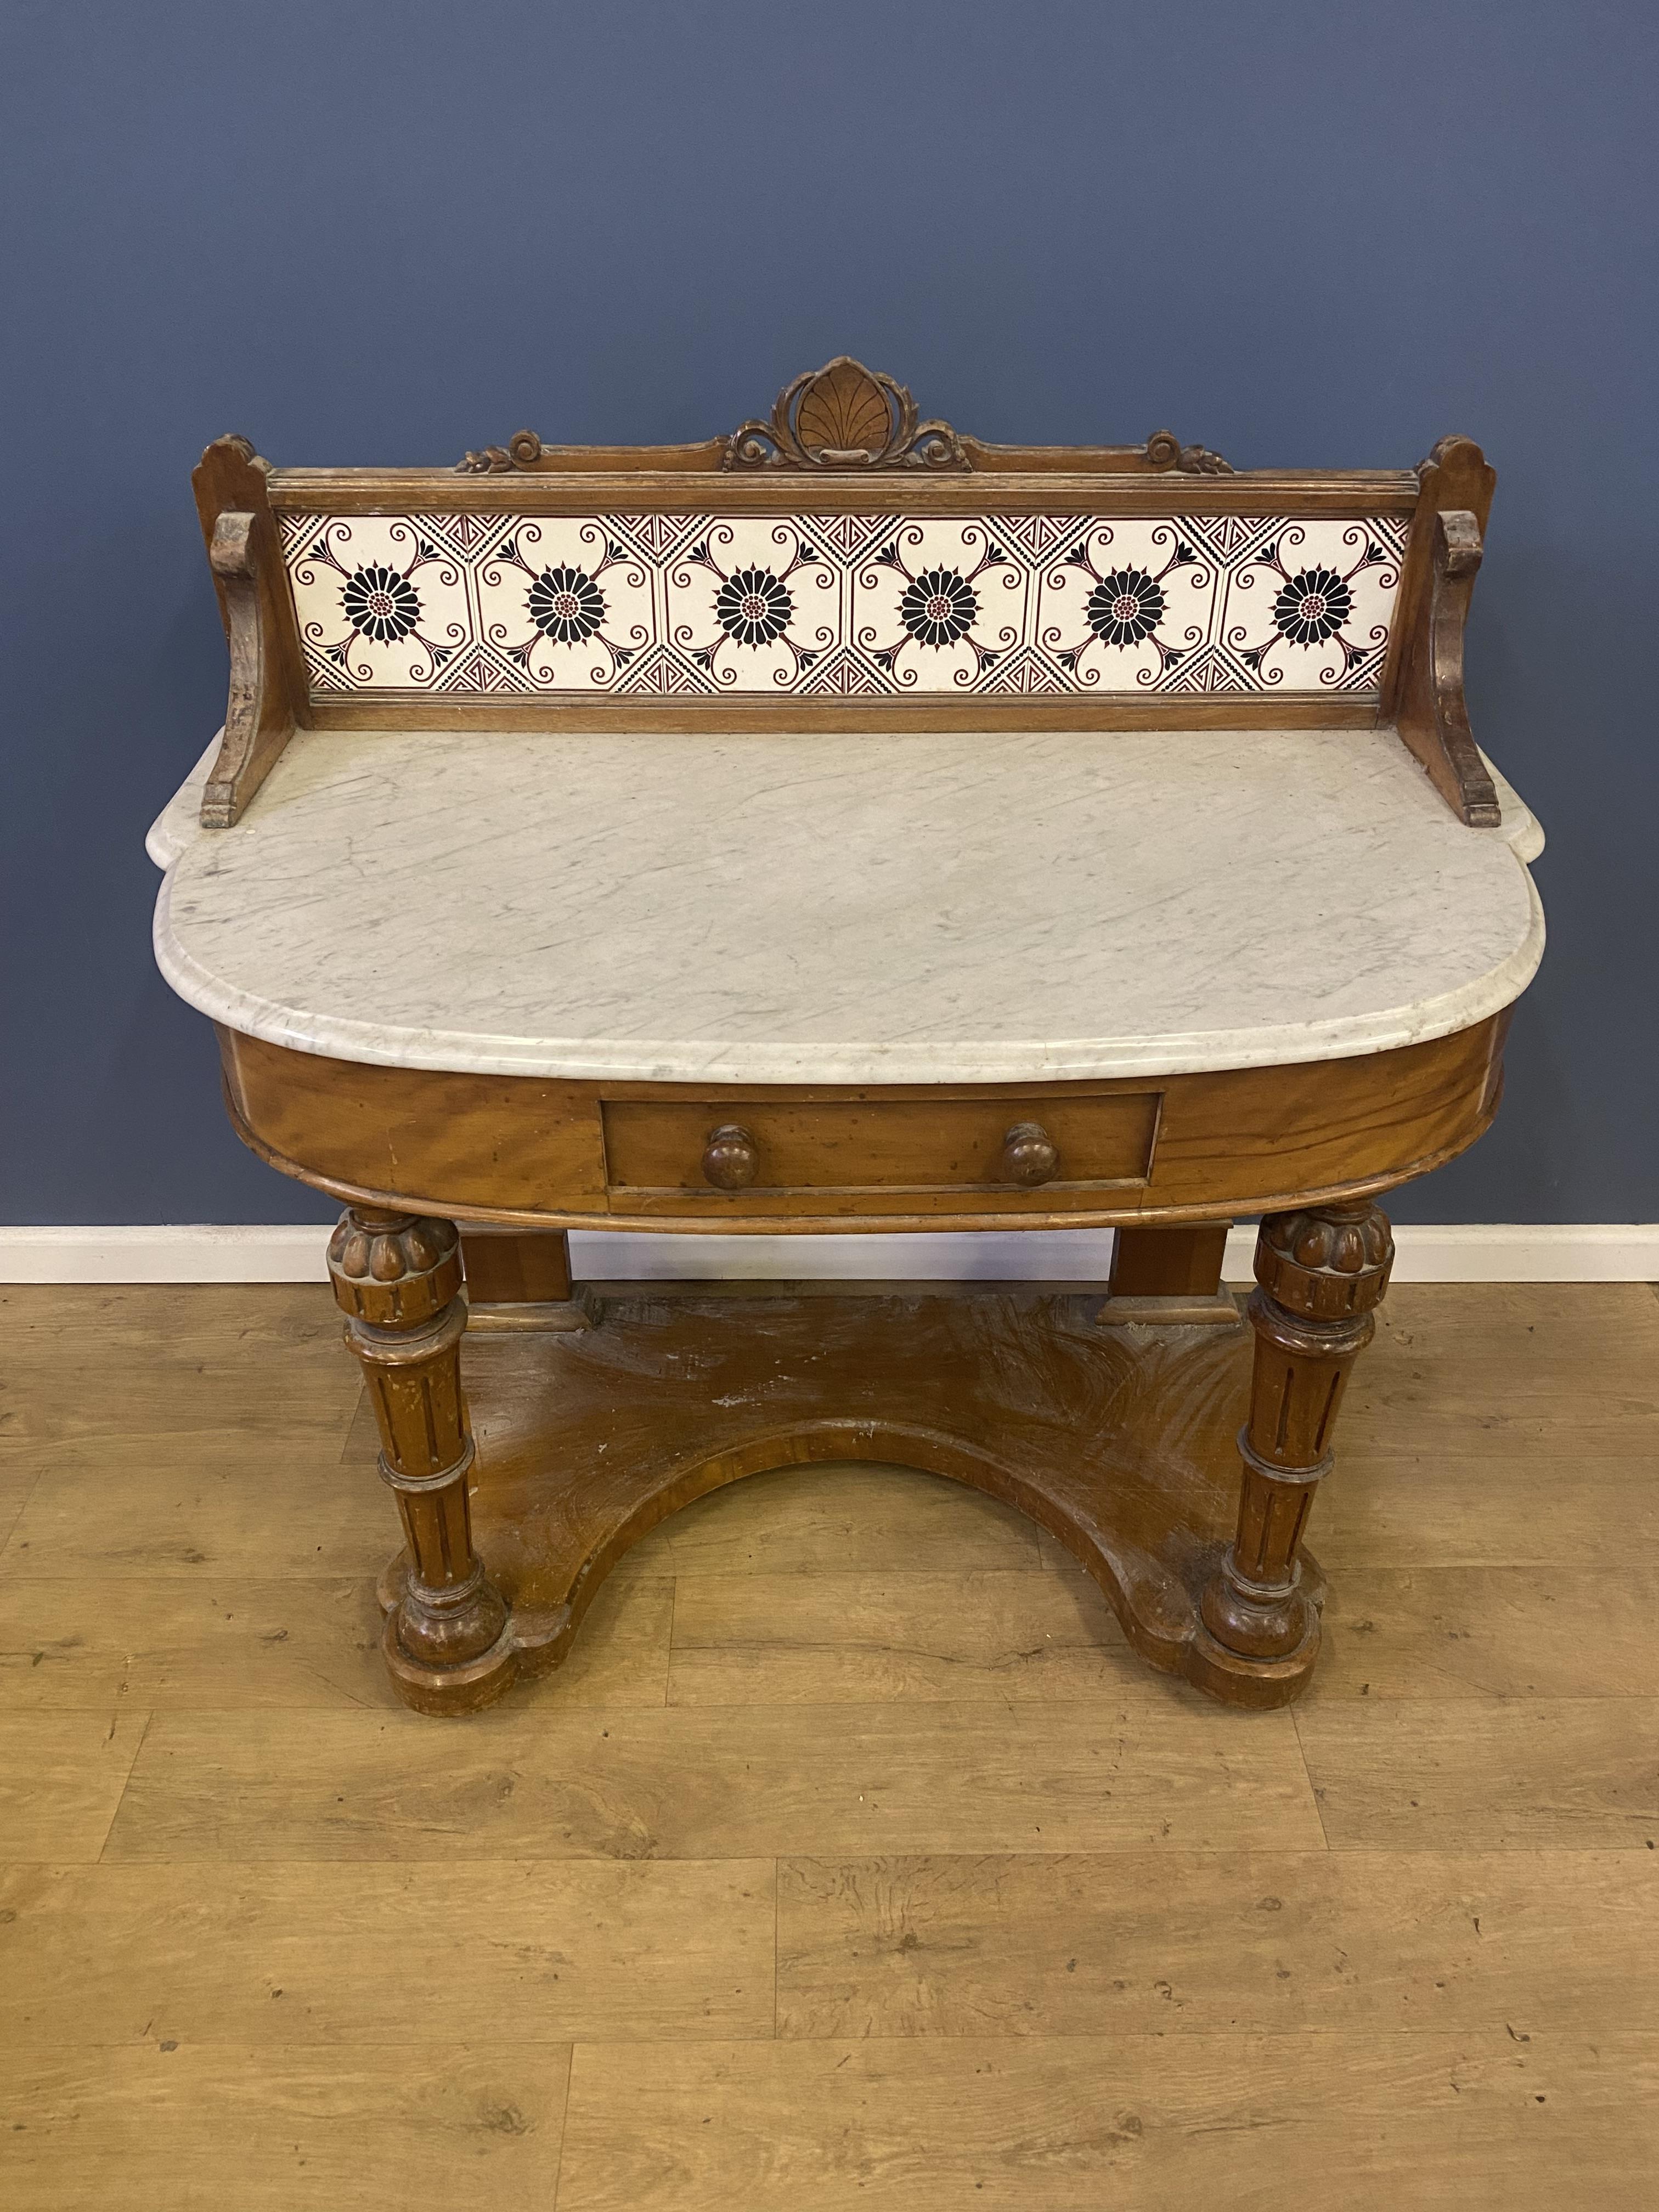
<point x="1321" y="1275"/>
<point x="398" y="1279"/>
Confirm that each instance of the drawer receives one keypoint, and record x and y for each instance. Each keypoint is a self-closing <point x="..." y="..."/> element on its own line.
<point x="878" y="1147"/>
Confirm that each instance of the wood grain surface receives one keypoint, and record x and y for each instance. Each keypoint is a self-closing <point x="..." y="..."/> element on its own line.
<point x="892" y="465"/>
<point x="564" y="1154"/>
<point x="1157" y="2123"/>
<point x="267" y="1939"/>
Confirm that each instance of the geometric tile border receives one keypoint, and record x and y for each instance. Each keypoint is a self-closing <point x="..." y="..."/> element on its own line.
<point x="871" y="605"/>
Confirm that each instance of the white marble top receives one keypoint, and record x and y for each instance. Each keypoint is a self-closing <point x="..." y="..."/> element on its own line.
<point x="910" y="907"/>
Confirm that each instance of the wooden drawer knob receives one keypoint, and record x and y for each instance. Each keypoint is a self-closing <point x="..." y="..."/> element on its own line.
<point x="731" y="1158"/>
<point x="1030" y="1154"/>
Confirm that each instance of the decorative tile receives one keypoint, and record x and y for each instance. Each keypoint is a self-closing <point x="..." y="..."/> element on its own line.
<point x="1309" y="606"/>
<point x="847" y="605"/>
<point x="566" y="601"/>
<point x="753" y="602"/>
<point x="1125" y="603"/>
<point x="380" y="602"/>
<point x="937" y="604"/>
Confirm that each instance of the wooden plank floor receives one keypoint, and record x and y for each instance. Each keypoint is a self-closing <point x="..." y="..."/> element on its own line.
<point x="852" y="1861"/>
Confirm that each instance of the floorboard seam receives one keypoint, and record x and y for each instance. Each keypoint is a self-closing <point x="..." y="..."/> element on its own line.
<point x="1313" y="1789"/>
<point x="564" y="2122"/>
<point x="126" y="1784"/>
<point x="16" y="1520"/>
<point x="674" y="1625"/>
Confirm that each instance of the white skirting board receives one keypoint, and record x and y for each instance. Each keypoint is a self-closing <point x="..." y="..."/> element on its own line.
<point x="1560" y="1251"/>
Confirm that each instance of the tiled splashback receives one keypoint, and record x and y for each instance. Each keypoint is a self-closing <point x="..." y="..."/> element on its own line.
<point x="842" y="605"/>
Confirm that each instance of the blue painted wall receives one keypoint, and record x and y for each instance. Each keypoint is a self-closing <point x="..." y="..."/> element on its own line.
<point x="1302" y="234"/>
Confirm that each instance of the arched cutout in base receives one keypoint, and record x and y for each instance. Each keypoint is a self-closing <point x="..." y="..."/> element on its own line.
<point x="1119" y="1440"/>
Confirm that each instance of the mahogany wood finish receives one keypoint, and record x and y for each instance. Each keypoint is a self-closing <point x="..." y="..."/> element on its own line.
<point x="398" y="1279"/>
<point x="1068" y="711"/>
<point x="1321" y="1275"/>
<point x="1170" y="1263"/>
<point x="268" y="692"/>
<point x="857" y="437"/>
<point x="504" y="1268"/>
<point x="869" y="1149"/>
<point x="269" y="696"/>
<point x="1442" y="556"/>
<point x="542" y="1153"/>
<point x="1116" y="1440"/>
<point x="1112" y="1420"/>
<point x="1113" y="1433"/>
<point x="844" y="416"/>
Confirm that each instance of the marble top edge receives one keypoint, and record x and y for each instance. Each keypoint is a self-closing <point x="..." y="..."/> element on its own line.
<point x="978" y="900"/>
<point x="1518" y="826"/>
<point x="683" y="1060"/>
<point x="178" y="824"/>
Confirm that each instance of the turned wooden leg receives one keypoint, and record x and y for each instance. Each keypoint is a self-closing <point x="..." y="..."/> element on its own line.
<point x="398" y="1278"/>
<point x="1321" y="1275"/>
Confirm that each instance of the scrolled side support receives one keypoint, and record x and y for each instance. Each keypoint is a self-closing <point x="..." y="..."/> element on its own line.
<point x="257" y="723"/>
<point x="268" y="697"/>
<point x="1435" y="587"/>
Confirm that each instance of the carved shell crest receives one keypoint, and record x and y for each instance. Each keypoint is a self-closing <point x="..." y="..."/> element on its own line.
<point x="844" y="416"/>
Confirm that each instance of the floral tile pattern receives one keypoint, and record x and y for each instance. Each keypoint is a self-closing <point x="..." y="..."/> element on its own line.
<point x="851" y="606"/>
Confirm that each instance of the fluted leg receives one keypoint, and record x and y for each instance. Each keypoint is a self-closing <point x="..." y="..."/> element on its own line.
<point x="1321" y="1275"/>
<point x="398" y="1278"/>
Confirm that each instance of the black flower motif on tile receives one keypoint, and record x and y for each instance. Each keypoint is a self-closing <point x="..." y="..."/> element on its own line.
<point x="1313" y="605"/>
<point x="755" y="608"/>
<point x="566" y="605"/>
<point x="941" y="602"/>
<point x="1125" y="606"/>
<point x="380" y="602"/>
<point x="938" y="606"/>
<point x="565" y="602"/>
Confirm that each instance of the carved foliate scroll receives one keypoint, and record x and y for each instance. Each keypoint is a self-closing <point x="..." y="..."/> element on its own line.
<point x="522" y="451"/>
<point x="845" y="415"/>
<point x="1165" y="451"/>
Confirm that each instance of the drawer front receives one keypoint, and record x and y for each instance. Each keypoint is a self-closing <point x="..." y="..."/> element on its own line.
<point x="877" y="1149"/>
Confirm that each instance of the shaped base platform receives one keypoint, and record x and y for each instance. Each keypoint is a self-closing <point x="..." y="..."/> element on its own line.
<point x="1116" y="1431"/>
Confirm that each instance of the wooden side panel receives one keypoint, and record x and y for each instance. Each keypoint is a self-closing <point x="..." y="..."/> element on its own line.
<point x="268" y="696"/>
<point x="1422" y="678"/>
<point x="530" y="1149"/>
<point x="494" y="1143"/>
<point x="1323" y="1125"/>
